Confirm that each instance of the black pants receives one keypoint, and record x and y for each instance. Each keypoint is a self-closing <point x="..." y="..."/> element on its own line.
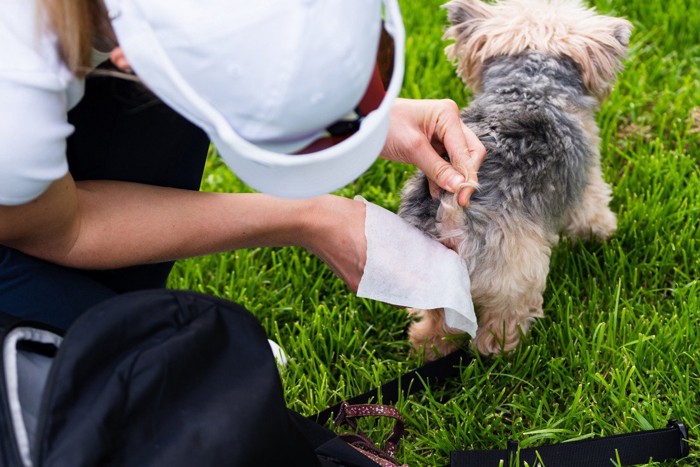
<point x="122" y="132"/>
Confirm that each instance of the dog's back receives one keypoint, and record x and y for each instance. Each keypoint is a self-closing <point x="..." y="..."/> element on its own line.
<point x="537" y="150"/>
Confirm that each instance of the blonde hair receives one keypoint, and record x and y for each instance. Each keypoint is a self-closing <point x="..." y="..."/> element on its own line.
<point x="76" y="23"/>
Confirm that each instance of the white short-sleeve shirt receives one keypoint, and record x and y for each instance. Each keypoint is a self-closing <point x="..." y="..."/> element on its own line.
<point x="36" y="92"/>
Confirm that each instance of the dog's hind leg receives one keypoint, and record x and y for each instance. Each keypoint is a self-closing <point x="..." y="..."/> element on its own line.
<point x="508" y="282"/>
<point x="592" y="218"/>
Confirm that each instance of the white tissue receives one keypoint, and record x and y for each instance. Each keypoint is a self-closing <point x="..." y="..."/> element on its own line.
<point x="407" y="268"/>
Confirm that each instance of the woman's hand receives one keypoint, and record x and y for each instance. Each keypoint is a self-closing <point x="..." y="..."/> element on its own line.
<point x="421" y="130"/>
<point x="119" y="60"/>
<point x="334" y="231"/>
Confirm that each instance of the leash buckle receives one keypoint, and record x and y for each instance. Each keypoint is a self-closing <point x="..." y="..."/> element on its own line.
<point x="683" y="430"/>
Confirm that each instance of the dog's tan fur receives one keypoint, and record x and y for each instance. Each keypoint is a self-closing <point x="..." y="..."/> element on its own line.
<point x="593" y="219"/>
<point x="562" y="27"/>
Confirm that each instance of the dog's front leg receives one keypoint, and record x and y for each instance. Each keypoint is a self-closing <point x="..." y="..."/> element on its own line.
<point x="431" y="335"/>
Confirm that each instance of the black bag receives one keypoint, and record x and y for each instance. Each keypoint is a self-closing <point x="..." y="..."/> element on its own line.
<point x="153" y="378"/>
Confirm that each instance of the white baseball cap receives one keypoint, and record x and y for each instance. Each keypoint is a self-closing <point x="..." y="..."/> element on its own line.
<point x="265" y="79"/>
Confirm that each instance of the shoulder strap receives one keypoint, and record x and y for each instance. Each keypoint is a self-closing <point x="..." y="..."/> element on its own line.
<point x="431" y="373"/>
<point x="630" y="448"/>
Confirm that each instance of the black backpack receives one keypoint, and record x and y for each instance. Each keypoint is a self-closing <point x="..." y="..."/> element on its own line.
<point x="153" y="378"/>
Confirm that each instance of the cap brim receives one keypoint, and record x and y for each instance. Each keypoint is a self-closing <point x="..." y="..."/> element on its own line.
<point x="307" y="175"/>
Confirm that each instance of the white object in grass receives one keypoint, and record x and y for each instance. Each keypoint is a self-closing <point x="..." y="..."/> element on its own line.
<point x="279" y="354"/>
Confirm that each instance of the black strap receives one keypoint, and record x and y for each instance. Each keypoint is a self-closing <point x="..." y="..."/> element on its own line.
<point x="329" y="447"/>
<point x="631" y="448"/>
<point x="433" y="372"/>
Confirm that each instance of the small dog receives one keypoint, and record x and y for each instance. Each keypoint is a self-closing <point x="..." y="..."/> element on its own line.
<point x="539" y="70"/>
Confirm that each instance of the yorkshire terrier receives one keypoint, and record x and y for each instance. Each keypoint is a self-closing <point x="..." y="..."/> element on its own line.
<point x="539" y="70"/>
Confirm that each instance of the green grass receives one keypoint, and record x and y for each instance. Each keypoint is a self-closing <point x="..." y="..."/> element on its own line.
<point x="619" y="348"/>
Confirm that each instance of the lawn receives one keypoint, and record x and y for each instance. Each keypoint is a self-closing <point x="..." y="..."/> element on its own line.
<point x="619" y="347"/>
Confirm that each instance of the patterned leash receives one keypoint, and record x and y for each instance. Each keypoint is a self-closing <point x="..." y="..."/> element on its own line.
<point x="385" y="456"/>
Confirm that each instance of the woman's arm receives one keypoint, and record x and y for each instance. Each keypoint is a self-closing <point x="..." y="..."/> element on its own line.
<point x="108" y="224"/>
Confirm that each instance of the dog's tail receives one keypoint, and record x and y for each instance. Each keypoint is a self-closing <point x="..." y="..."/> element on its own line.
<point x="451" y="218"/>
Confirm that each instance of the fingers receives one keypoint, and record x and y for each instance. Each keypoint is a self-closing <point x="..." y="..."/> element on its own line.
<point x="119" y="60"/>
<point x="465" y="192"/>
<point x="434" y="189"/>
<point x="337" y="236"/>
<point x="465" y="150"/>
<point x="441" y="174"/>
<point x="477" y="153"/>
<point x="422" y="129"/>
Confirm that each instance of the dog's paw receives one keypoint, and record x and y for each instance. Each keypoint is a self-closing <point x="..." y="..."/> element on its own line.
<point x="491" y="343"/>
<point x="430" y="336"/>
<point x="496" y="335"/>
<point x="435" y="348"/>
<point x="604" y="225"/>
<point x="599" y="227"/>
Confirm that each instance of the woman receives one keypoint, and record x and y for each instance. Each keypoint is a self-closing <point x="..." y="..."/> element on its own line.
<point x="100" y="197"/>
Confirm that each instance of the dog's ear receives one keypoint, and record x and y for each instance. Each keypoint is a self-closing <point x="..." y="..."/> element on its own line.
<point x="461" y="11"/>
<point x="622" y="32"/>
<point x="466" y="18"/>
<point x="601" y="57"/>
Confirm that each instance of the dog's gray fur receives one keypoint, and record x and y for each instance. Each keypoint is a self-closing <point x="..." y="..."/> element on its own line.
<point x="537" y="154"/>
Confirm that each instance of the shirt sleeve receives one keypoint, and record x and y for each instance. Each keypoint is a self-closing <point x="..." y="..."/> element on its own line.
<point x="33" y="132"/>
<point x="36" y="91"/>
